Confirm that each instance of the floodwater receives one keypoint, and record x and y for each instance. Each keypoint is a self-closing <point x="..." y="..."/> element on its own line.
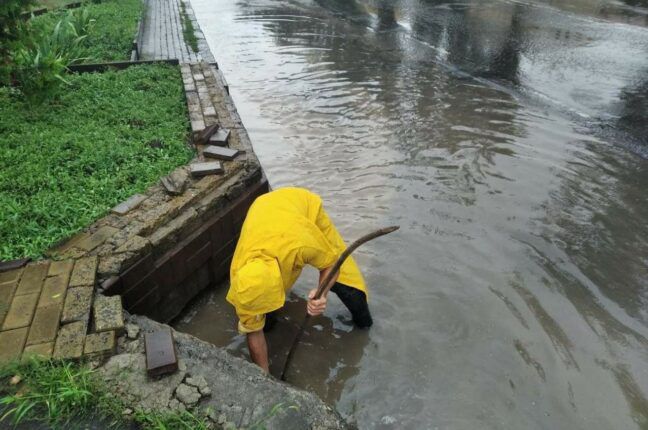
<point x="508" y="139"/>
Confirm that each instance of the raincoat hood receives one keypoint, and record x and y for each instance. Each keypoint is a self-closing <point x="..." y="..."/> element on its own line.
<point x="257" y="287"/>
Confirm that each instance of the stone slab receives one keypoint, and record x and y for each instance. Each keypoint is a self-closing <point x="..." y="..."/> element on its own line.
<point x="206" y="134"/>
<point x="84" y="272"/>
<point x="78" y="303"/>
<point x="96" y="238"/>
<point x="70" y="341"/>
<point x="206" y="168"/>
<point x="220" y="138"/>
<point x="53" y="291"/>
<point x="108" y="313"/>
<point x="176" y="183"/>
<point x="32" y="278"/>
<point x="221" y="153"/>
<point x="129" y="204"/>
<point x="20" y="311"/>
<point x="60" y="268"/>
<point x="10" y="277"/>
<point x="160" y="350"/>
<point x="100" y="344"/>
<point x="41" y="350"/>
<point x="12" y="342"/>
<point x="45" y="324"/>
<point x="197" y="126"/>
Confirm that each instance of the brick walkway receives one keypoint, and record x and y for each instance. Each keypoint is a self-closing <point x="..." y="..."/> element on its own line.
<point x="162" y="36"/>
<point x="46" y="307"/>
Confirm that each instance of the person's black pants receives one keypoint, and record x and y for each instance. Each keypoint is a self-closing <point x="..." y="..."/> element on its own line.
<point x="355" y="300"/>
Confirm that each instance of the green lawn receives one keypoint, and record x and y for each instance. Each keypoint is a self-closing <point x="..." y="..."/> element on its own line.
<point x="53" y="4"/>
<point x="65" y="163"/>
<point x="112" y="36"/>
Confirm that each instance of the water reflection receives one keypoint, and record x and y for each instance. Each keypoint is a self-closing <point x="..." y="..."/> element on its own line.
<point x="495" y="134"/>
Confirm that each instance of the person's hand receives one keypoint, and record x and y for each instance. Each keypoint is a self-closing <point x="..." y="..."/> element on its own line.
<point x="315" y="307"/>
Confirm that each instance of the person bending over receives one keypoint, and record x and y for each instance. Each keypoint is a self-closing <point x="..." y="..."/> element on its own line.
<point x="284" y="230"/>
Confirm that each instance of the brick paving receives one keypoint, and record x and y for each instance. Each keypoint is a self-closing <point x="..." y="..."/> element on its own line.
<point x="46" y="308"/>
<point x="162" y="33"/>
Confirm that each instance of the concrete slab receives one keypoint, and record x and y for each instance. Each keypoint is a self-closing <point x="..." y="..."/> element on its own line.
<point x="61" y="268"/>
<point x="41" y="350"/>
<point x="108" y="313"/>
<point x="78" y="303"/>
<point x="70" y="341"/>
<point x="100" y="345"/>
<point x="45" y="324"/>
<point x="53" y="291"/>
<point x="129" y="204"/>
<point x="96" y="238"/>
<point x="84" y="272"/>
<point x="220" y="138"/>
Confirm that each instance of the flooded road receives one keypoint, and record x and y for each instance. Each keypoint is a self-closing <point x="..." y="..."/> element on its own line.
<point x="509" y="141"/>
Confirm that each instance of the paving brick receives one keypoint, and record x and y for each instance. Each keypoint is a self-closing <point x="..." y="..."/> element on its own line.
<point x="197" y="125"/>
<point x="41" y="350"/>
<point x="45" y="324"/>
<point x="32" y="278"/>
<point x="12" y="342"/>
<point x="6" y="295"/>
<point x="129" y="204"/>
<point x="108" y="313"/>
<point x="11" y="276"/>
<point x="100" y="345"/>
<point x="68" y="246"/>
<point x="78" y="303"/>
<point x="60" y="268"/>
<point x="207" y="168"/>
<point x="53" y="291"/>
<point x="96" y="238"/>
<point x="20" y="311"/>
<point x="220" y="138"/>
<point x="84" y="272"/>
<point x="70" y="340"/>
<point x="221" y="153"/>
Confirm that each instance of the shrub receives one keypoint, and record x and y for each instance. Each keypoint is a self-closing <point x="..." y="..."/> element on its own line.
<point x="11" y="30"/>
<point x="40" y="65"/>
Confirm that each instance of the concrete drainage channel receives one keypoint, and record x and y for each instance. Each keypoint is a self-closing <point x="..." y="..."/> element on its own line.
<point x="149" y="257"/>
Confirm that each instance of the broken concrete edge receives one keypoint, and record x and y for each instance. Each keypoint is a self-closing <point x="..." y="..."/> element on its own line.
<point x="210" y="381"/>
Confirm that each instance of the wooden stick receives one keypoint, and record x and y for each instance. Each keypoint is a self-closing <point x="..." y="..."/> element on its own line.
<point x="324" y="285"/>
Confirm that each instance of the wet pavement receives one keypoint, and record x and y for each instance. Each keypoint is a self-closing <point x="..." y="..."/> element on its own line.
<point x="509" y="141"/>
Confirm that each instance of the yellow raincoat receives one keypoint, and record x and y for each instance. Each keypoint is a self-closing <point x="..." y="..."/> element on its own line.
<point x="283" y="231"/>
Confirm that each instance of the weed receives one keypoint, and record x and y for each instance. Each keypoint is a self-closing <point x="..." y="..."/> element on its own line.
<point x="188" y="28"/>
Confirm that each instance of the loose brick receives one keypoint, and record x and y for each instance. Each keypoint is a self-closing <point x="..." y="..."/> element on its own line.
<point x="221" y="153"/>
<point x="78" y="302"/>
<point x="32" y="278"/>
<point x="108" y="313"/>
<point x="84" y="272"/>
<point x="12" y="342"/>
<point x="100" y="345"/>
<point x="41" y="350"/>
<point x="6" y="266"/>
<point x="21" y="311"/>
<point x="10" y="277"/>
<point x="129" y="204"/>
<point x="53" y="291"/>
<point x="45" y="324"/>
<point x="208" y="168"/>
<point x="220" y="138"/>
<point x="60" y="268"/>
<point x="70" y="340"/>
<point x="97" y="238"/>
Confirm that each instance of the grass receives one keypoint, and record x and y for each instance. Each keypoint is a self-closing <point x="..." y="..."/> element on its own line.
<point x="58" y="393"/>
<point x="112" y="35"/>
<point x="53" y="4"/>
<point x="103" y="138"/>
<point x="188" y="29"/>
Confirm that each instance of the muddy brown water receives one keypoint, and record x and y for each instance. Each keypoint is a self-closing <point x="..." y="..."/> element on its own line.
<point x="508" y="139"/>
